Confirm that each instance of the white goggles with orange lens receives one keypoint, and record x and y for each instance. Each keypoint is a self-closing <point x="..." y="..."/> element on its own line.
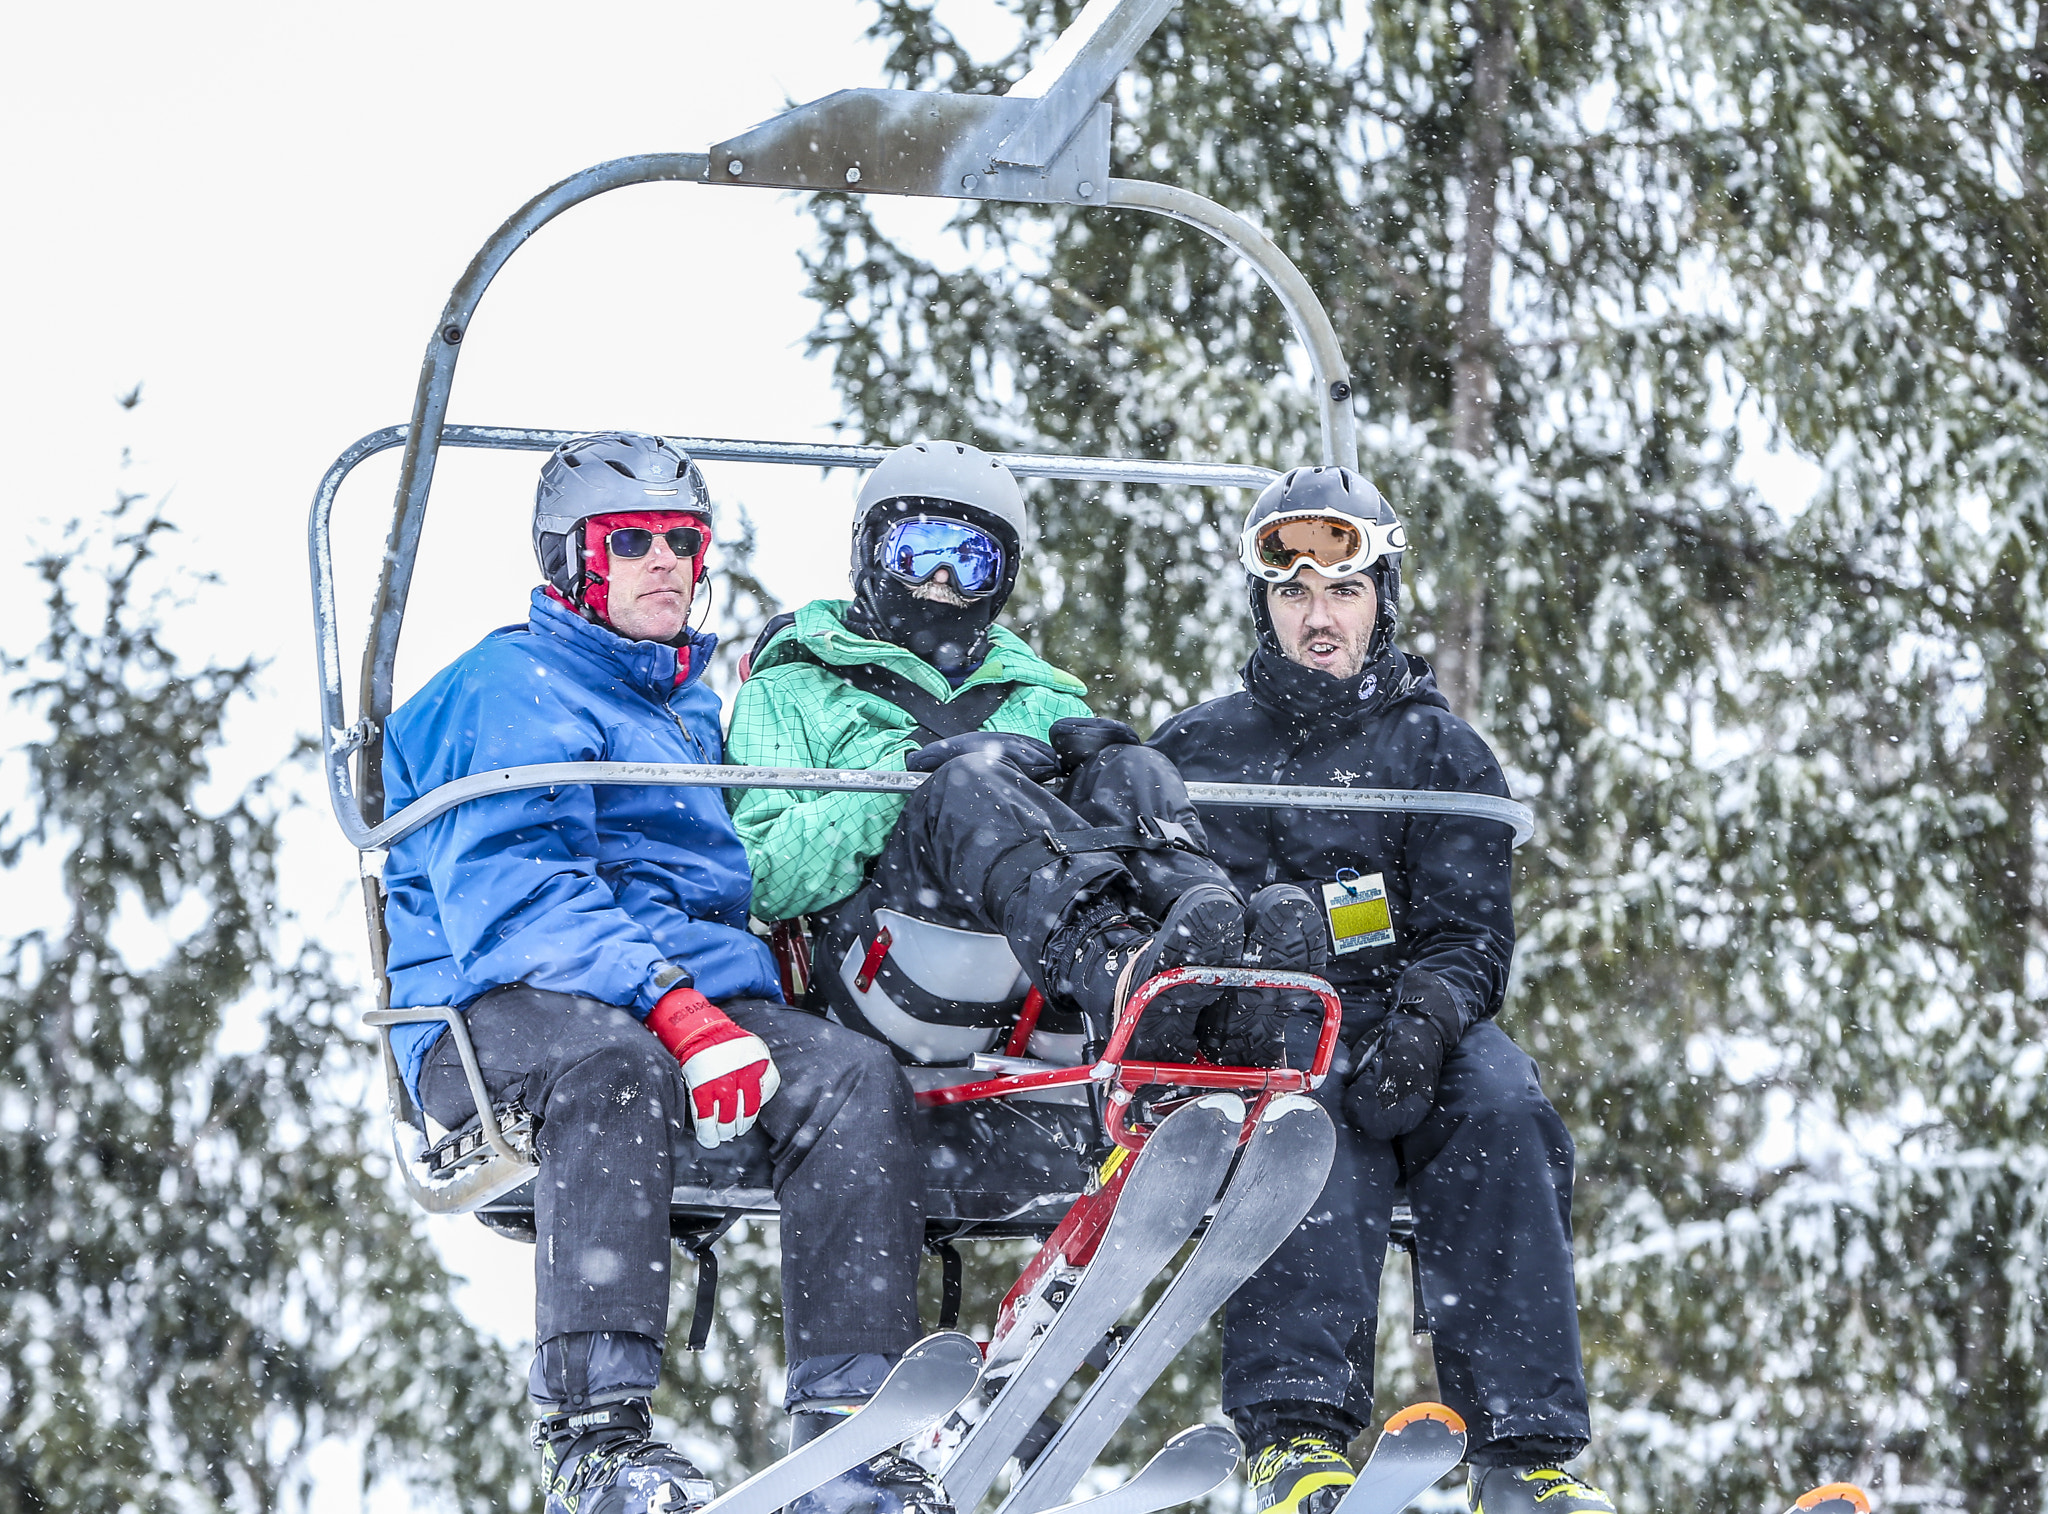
<point x="1333" y="543"/>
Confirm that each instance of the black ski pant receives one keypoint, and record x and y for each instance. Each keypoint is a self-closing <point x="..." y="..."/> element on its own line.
<point x="838" y="1140"/>
<point x="1489" y="1180"/>
<point x="970" y="850"/>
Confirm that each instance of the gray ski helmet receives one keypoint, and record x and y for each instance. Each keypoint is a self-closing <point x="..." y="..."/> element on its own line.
<point x="610" y="473"/>
<point x="942" y="478"/>
<point x="1344" y="492"/>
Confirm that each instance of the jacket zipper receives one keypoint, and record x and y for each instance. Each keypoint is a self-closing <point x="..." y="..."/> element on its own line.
<point x="688" y="735"/>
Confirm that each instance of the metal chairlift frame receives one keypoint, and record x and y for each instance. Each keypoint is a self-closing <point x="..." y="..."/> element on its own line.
<point x="1045" y="142"/>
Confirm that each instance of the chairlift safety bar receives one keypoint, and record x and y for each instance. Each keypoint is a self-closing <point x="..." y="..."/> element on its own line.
<point x="547" y="775"/>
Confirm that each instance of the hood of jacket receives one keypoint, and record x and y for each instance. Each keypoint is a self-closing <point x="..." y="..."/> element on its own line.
<point x="820" y="634"/>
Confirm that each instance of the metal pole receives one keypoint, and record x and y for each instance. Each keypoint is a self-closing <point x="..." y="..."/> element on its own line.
<point x="546" y="775"/>
<point x="1311" y="321"/>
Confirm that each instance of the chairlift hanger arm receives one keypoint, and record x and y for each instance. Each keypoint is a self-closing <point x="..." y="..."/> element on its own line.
<point x="430" y="414"/>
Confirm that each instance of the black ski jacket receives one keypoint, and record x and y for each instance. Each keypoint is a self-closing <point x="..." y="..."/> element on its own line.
<point x="1447" y="877"/>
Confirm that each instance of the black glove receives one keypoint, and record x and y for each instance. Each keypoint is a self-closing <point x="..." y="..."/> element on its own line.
<point x="1027" y="754"/>
<point x="1079" y="737"/>
<point x="1394" y="1078"/>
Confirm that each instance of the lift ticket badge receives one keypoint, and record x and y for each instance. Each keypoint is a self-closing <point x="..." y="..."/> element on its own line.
<point x="1358" y="911"/>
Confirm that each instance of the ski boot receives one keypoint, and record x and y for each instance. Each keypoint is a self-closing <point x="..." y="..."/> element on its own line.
<point x="1099" y="958"/>
<point x="887" y="1484"/>
<point x="1284" y="931"/>
<point x="1533" y="1490"/>
<point x="605" y="1461"/>
<point x="1306" y="1473"/>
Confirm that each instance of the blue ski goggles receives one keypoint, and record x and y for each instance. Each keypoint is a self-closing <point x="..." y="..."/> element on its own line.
<point x="916" y="548"/>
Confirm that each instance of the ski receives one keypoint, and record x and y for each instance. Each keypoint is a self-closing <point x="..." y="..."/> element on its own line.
<point x="1834" y="1498"/>
<point x="1163" y="1200"/>
<point x="1194" y="1462"/>
<point x="1418" y="1446"/>
<point x="1278" y="1180"/>
<point x="922" y="1389"/>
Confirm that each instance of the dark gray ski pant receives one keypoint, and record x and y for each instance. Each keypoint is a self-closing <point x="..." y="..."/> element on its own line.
<point x="1489" y="1179"/>
<point x="848" y="1175"/>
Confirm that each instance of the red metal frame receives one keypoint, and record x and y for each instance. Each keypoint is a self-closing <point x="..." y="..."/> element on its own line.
<point x="1027" y="1021"/>
<point x="1120" y="1077"/>
<point x="1072" y="1244"/>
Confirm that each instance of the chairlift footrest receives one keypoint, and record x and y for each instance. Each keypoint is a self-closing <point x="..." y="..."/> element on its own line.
<point x="471" y="1147"/>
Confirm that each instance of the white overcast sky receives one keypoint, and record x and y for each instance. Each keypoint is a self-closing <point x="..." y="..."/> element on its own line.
<point x="257" y="211"/>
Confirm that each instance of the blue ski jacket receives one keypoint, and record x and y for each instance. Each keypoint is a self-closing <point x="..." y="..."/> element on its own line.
<point x="585" y="889"/>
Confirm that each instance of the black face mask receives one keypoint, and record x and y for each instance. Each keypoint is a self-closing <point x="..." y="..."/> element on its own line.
<point x="952" y="638"/>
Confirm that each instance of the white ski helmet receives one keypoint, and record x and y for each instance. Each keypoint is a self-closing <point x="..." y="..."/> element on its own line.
<point x="949" y="481"/>
<point x="1340" y="492"/>
<point x="942" y="478"/>
<point x="610" y="473"/>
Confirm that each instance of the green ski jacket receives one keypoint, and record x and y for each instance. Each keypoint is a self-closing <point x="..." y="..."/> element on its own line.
<point x="812" y="850"/>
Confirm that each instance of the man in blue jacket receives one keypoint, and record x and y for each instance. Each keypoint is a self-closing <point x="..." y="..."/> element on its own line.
<point x="596" y="938"/>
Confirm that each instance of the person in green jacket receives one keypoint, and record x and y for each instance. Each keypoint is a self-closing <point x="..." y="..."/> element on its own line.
<point x="1047" y="847"/>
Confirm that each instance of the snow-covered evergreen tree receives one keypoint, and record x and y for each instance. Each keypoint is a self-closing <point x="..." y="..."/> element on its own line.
<point x="204" y="1268"/>
<point x="1782" y="924"/>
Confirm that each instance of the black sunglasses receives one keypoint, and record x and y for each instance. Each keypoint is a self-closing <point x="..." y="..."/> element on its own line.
<point x="637" y="541"/>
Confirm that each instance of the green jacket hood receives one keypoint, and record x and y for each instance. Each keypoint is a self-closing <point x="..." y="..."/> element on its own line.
<point x="819" y="634"/>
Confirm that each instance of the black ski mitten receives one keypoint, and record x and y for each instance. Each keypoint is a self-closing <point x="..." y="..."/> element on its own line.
<point x="1078" y="737"/>
<point x="1030" y="756"/>
<point x="1393" y="1083"/>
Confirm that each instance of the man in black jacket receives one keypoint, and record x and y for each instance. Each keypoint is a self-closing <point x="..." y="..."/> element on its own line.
<point x="1434" y="1095"/>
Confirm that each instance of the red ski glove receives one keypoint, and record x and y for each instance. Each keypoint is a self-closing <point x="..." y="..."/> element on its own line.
<point x="728" y="1071"/>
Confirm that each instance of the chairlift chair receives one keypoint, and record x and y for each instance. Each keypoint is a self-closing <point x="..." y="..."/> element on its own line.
<point x="1045" y="142"/>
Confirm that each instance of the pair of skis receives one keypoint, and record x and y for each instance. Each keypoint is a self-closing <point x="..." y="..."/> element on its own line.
<point x="1425" y="1441"/>
<point x="1418" y="1446"/>
<point x="931" y="1380"/>
<point x="1164" y="1196"/>
<point x="925" y="1386"/>
<point x="1162" y="1200"/>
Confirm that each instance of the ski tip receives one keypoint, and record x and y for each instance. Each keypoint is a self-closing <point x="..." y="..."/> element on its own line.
<point x="1834" y="1498"/>
<point x="1443" y="1414"/>
<point x="1216" y="1440"/>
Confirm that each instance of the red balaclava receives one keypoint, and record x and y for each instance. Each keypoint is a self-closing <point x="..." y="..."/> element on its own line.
<point x="597" y="558"/>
